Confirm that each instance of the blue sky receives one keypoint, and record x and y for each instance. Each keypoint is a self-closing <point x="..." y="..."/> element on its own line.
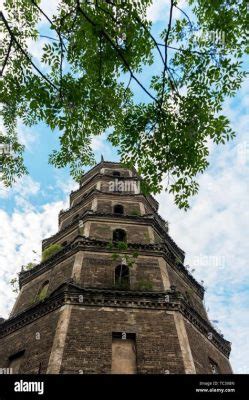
<point x="214" y="232"/>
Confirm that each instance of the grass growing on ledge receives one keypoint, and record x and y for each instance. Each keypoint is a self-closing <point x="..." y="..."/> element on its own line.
<point x="144" y="285"/>
<point x="50" y="251"/>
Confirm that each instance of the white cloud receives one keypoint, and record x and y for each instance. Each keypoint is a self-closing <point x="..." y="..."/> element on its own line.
<point x="66" y="186"/>
<point x="26" y="136"/>
<point x="22" y="231"/>
<point x="101" y="146"/>
<point x="35" y="48"/>
<point x="214" y="233"/>
<point x="49" y="7"/>
<point x="159" y="10"/>
<point x="22" y="189"/>
<point x="20" y="234"/>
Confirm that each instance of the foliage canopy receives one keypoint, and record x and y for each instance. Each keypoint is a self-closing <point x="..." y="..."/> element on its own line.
<point x="95" y="55"/>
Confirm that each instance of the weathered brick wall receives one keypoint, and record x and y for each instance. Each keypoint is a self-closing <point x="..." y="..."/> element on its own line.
<point x="99" y="270"/>
<point x="135" y="233"/>
<point x="83" y="192"/>
<point x="105" y="186"/>
<point x="104" y="206"/>
<point x="147" y="270"/>
<point x="90" y="337"/>
<point x="130" y="208"/>
<point x="61" y="273"/>
<point x="123" y="172"/>
<point x="187" y="289"/>
<point x="56" y="276"/>
<point x="65" y="221"/>
<point x="36" y="351"/>
<point x="29" y="291"/>
<point x="202" y="349"/>
<point x="66" y="238"/>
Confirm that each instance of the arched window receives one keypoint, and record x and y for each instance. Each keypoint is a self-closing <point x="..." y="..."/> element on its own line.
<point x="118" y="209"/>
<point x="119" y="235"/>
<point x="43" y="291"/>
<point x="116" y="173"/>
<point x="122" y="277"/>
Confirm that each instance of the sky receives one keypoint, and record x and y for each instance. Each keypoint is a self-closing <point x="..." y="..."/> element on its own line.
<point x="213" y="233"/>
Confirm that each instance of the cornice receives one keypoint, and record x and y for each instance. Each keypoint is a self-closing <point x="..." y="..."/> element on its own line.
<point x="101" y="176"/>
<point x="70" y="293"/>
<point x="103" y="164"/>
<point x="94" y="245"/>
<point x="97" y="192"/>
<point x="153" y="202"/>
<point x="150" y="219"/>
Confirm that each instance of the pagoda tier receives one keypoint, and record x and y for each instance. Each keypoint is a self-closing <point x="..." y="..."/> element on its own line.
<point x="115" y="297"/>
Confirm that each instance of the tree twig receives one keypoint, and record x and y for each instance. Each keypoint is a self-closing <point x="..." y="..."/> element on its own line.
<point x="49" y="37"/>
<point x="109" y="39"/>
<point x="50" y="21"/>
<point x="186" y="15"/>
<point x="7" y="57"/>
<point x="166" y="52"/>
<point x="185" y="50"/>
<point x="24" y="52"/>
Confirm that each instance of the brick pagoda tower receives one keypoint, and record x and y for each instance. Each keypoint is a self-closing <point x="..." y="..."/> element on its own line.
<point x="115" y="297"/>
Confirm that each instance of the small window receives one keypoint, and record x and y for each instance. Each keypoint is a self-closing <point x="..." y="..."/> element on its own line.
<point x="116" y="173"/>
<point x="214" y="367"/>
<point x="64" y="243"/>
<point x="122" y="277"/>
<point x="75" y="217"/>
<point x="15" y="361"/>
<point x="43" y="291"/>
<point x="118" y="209"/>
<point x="119" y="235"/>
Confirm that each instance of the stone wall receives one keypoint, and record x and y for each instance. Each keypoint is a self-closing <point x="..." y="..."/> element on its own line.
<point x="135" y="233"/>
<point x="187" y="290"/>
<point x="56" y="276"/>
<point x="130" y="208"/>
<point x="203" y="350"/>
<point x="36" y="339"/>
<point x="90" y="337"/>
<point x="65" y="221"/>
<point x="99" y="270"/>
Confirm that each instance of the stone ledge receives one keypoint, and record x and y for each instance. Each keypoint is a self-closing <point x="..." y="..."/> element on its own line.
<point x="82" y="243"/>
<point x="140" y="218"/>
<point x="154" y="203"/>
<point x="69" y="293"/>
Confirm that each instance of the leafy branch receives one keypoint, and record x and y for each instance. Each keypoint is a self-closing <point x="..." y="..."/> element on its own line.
<point x="82" y="85"/>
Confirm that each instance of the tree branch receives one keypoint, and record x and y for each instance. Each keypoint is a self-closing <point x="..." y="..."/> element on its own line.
<point x="138" y="20"/>
<point x="109" y="39"/>
<point x="166" y="52"/>
<point x="49" y="37"/>
<point x="7" y="57"/>
<point x="24" y="52"/>
<point x="151" y="36"/>
<point x="202" y="53"/>
<point x="50" y="21"/>
<point x="186" y="15"/>
<point x="127" y="87"/>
